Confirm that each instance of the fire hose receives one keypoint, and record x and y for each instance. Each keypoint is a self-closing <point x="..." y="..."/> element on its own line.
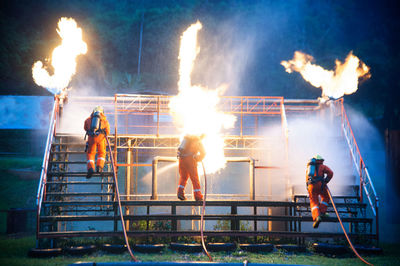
<point x="202" y="214"/>
<point x="344" y="231"/>
<point x="119" y="202"/>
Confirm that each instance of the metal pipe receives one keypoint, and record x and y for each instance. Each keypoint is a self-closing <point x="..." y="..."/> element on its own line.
<point x="157" y="159"/>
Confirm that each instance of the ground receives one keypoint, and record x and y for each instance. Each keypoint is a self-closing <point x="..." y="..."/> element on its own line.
<point x="18" y="191"/>
<point x="14" y="252"/>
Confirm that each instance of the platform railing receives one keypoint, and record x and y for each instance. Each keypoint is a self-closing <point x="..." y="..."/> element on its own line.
<point x="41" y="193"/>
<point x="366" y="184"/>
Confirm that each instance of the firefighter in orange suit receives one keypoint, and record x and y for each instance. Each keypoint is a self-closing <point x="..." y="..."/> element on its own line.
<point x="97" y="129"/>
<point x="190" y="152"/>
<point x="317" y="176"/>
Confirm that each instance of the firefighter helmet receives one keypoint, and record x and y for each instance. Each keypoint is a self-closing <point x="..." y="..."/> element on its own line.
<point x="318" y="157"/>
<point x="98" y="109"/>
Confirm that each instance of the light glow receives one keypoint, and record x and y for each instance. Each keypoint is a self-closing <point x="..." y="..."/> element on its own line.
<point x="195" y="108"/>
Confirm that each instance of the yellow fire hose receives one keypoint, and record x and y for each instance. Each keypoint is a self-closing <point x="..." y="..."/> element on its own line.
<point x="119" y="202"/>
<point x="202" y="214"/>
<point x="344" y="231"/>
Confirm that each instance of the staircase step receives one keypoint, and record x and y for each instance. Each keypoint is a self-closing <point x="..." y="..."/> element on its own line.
<point x="220" y="203"/>
<point x="93" y="233"/>
<point x="73" y="144"/>
<point x="79" y="194"/>
<point x="197" y="217"/>
<point x="78" y="183"/>
<point x="68" y="152"/>
<point x="78" y="174"/>
<point x="306" y="197"/>
<point x="50" y="203"/>
<point x="73" y="162"/>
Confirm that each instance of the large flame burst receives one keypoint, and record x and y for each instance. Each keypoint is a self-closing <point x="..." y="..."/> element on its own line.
<point x="62" y="59"/>
<point x="195" y="109"/>
<point x="335" y="84"/>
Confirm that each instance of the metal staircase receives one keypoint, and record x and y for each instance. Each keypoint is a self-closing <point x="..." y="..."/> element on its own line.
<point x="69" y="205"/>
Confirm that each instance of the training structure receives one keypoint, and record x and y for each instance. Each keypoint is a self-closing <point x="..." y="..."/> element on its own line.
<point x="144" y="141"/>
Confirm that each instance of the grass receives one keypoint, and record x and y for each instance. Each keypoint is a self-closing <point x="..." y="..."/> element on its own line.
<point x="14" y="252"/>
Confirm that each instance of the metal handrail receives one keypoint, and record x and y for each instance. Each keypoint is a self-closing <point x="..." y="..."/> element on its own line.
<point x="365" y="178"/>
<point x="46" y="156"/>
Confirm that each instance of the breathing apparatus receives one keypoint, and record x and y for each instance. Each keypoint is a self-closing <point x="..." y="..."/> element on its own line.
<point x="312" y="170"/>
<point x="95" y="126"/>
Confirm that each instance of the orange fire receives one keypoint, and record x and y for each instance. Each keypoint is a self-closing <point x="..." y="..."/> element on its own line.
<point x="343" y="80"/>
<point x="63" y="58"/>
<point x="195" y="108"/>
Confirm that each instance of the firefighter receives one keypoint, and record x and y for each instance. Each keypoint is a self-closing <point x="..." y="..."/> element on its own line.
<point x="97" y="129"/>
<point x="190" y="152"/>
<point x="317" y="176"/>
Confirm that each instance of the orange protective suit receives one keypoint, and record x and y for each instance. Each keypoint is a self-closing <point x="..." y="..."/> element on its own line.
<point x="97" y="142"/>
<point x="316" y="186"/>
<point x="190" y="152"/>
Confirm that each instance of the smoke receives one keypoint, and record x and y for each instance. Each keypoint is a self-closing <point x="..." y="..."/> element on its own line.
<point x="226" y="51"/>
<point x="309" y="134"/>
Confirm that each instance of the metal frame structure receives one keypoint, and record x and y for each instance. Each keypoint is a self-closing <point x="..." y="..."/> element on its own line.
<point x="142" y="124"/>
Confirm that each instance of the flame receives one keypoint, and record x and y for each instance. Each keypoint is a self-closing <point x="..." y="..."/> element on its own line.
<point x="195" y="108"/>
<point x="63" y="58"/>
<point x="335" y="84"/>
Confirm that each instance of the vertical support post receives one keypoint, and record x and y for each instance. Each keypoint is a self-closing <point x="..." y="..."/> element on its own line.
<point x="255" y="125"/>
<point x="361" y="180"/>
<point x="116" y="126"/>
<point x="158" y="116"/>
<point x="147" y="220"/>
<point x="234" y="222"/>
<point x="154" y="195"/>
<point x="128" y="175"/>
<point x="255" y="221"/>
<point x="377" y="221"/>
<point x="174" y="224"/>
<point x="115" y="215"/>
<point x="241" y="117"/>
<point x="252" y="181"/>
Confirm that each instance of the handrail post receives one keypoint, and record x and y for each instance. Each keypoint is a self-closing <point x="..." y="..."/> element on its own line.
<point x="377" y="219"/>
<point x="158" y="116"/>
<point x="116" y="126"/>
<point x="252" y="179"/>
<point x="361" y="180"/>
<point x="154" y="195"/>
<point x="43" y="175"/>
<point x="241" y="116"/>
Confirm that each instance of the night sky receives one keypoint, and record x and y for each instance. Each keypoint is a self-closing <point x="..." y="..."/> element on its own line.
<point x="242" y="44"/>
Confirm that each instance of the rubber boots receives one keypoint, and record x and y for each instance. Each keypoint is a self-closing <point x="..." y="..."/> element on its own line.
<point x="198" y="196"/>
<point x="317" y="222"/>
<point x="181" y="194"/>
<point x="89" y="173"/>
<point x="99" y="169"/>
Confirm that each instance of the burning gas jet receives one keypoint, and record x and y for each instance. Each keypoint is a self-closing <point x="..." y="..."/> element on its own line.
<point x="195" y="109"/>
<point x="62" y="59"/>
<point x="334" y="84"/>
